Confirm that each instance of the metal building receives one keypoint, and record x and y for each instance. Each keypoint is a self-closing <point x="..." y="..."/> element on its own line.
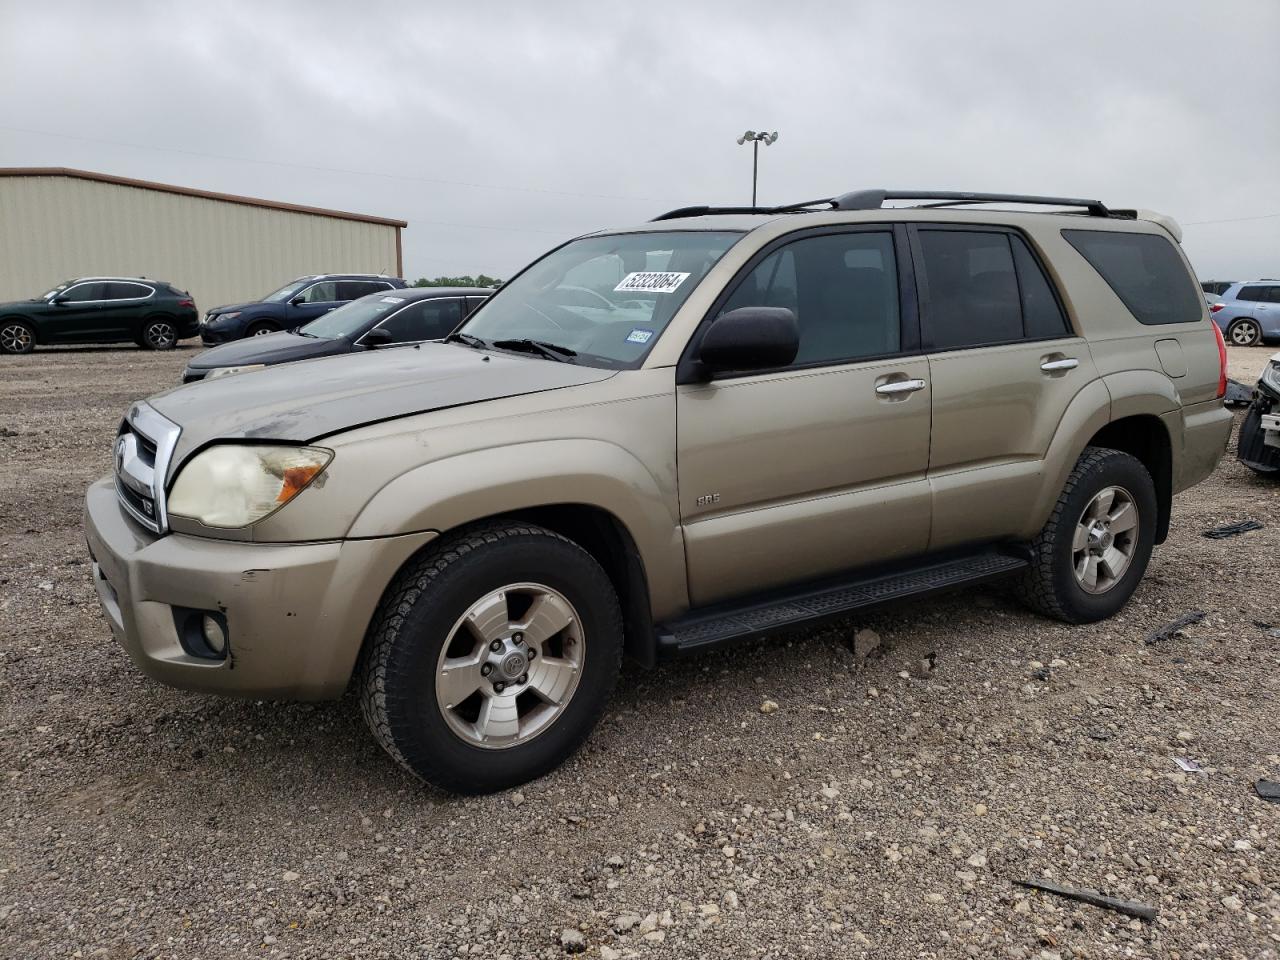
<point x="57" y="223"/>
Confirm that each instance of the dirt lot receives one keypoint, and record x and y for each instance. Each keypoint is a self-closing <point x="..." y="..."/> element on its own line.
<point x="875" y="813"/>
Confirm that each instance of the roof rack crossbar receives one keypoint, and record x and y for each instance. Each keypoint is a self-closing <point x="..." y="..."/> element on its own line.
<point x="705" y="211"/>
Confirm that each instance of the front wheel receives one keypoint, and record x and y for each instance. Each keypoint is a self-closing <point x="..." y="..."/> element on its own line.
<point x="261" y="329"/>
<point x="491" y="657"/>
<point x="1091" y="555"/>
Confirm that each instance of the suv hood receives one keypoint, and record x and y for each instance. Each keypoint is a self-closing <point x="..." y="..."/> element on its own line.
<point x="304" y="401"/>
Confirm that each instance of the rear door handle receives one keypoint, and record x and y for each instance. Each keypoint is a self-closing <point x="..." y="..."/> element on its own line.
<point x="1066" y="363"/>
<point x="895" y="387"/>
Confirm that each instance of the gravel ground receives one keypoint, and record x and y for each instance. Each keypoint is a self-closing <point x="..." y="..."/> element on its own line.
<point x="882" y="809"/>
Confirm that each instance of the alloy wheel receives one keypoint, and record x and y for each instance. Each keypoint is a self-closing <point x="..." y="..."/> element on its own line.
<point x="1105" y="540"/>
<point x="510" y="666"/>
<point x="160" y="335"/>
<point x="1244" y="333"/>
<point x="15" y="338"/>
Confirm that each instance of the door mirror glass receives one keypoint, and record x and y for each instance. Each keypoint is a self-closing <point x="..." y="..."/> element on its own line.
<point x="750" y="338"/>
<point x="377" y="337"/>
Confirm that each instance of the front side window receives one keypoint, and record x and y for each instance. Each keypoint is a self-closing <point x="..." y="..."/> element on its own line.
<point x="842" y="288"/>
<point x="426" y="320"/>
<point x="85" y="292"/>
<point x="1145" y="272"/>
<point x="608" y="298"/>
<point x="285" y="293"/>
<point x="326" y="291"/>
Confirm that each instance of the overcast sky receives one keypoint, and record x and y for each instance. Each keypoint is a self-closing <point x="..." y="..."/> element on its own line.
<point x="499" y="129"/>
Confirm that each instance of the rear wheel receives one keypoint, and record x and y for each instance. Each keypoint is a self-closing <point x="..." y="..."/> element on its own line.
<point x="16" y="336"/>
<point x="261" y="329"/>
<point x="1091" y="555"/>
<point x="491" y="657"/>
<point x="1244" y="333"/>
<point x="159" y="334"/>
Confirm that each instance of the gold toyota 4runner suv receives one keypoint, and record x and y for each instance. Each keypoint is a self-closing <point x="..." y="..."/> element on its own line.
<point x="656" y="440"/>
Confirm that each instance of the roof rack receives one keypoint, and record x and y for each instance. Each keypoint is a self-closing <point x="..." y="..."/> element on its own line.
<point x="875" y="199"/>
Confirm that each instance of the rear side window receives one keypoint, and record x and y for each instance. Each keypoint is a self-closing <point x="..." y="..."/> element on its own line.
<point x="1042" y="316"/>
<point x="354" y="289"/>
<point x="127" y="291"/>
<point x="971" y="289"/>
<point x="1145" y="272"/>
<point x="1259" y="294"/>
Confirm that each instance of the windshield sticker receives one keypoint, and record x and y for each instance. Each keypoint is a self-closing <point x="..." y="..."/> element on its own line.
<point x="651" y="282"/>
<point x="640" y="336"/>
<point x="392" y="300"/>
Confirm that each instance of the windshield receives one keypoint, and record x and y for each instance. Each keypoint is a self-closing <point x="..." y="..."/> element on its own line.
<point x="58" y="289"/>
<point x="352" y="317"/>
<point x="287" y="291"/>
<point x="607" y="298"/>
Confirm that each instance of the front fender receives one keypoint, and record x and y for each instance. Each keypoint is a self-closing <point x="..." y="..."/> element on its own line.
<point x="454" y="491"/>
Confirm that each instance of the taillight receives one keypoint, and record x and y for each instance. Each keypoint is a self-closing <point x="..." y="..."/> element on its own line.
<point x="1215" y="307"/>
<point x="187" y="303"/>
<point x="1222" y="360"/>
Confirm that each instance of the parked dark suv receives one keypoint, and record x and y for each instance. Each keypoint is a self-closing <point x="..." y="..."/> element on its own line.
<point x="297" y="302"/>
<point x="150" y="313"/>
<point x="404" y="317"/>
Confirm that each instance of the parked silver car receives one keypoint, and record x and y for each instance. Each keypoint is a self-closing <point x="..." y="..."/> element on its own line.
<point x="1249" y="312"/>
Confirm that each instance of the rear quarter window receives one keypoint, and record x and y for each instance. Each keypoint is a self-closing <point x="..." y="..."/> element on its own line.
<point x="1145" y="272"/>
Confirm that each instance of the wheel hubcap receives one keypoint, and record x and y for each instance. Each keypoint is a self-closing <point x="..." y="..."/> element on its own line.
<point x="263" y="332"/>
<point x="1243" y="333"/>
<point x="160" y="335"/>
<point x="15" y="339"/>
<point x="510" y="666"/>
<point x="1106" y="538"/>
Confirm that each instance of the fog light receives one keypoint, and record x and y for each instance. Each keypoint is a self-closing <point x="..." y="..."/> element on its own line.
<point x="215" y="635"/>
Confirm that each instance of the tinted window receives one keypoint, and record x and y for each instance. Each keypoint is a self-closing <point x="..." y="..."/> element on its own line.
<point x="1042" y="316"/>
<point x="425" y="320"/>
<point x="351" y="289"/>
<point x="326" y="291"/>
<point x="1145" y="272"/>
<point x="127" y="291"/>
<point x="473" y="303"/>
<point x="1273" y="294"/>
<point x="971" y="289"/>
<point x="843" y="289"/>
<point x="85" y="291"/>
<point x="1255" y="294"/>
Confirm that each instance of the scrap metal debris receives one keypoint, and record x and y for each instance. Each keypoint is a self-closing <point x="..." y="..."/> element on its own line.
<point x="1169" y="631"/>
<point x="1188" y="766"/>
<point x="1232" y="529"/>
<point x="1238" y="395"/>
<point x="1130" y="908"/>
<point x="1268" y="790"/>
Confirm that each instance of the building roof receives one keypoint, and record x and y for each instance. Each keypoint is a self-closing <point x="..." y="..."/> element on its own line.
<point x="190" y="192"/>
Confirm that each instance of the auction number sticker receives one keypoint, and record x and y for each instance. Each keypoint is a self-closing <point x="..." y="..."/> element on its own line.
<point x="651" y="282"/>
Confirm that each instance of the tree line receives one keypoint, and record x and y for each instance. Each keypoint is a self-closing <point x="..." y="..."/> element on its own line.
<point x="483" y="280"/>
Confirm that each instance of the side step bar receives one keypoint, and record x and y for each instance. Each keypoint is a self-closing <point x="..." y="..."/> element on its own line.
<point x="703" y="629"/>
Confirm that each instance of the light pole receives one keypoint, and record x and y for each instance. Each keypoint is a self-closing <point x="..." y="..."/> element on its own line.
<point x="756" y="139"/>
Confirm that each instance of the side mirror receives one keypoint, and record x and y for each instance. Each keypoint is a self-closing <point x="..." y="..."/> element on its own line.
<point x="377" y="337"/>
<point x="298" y="300"/>
<point x="57" y="301"/>
<point x="750" y="338"/>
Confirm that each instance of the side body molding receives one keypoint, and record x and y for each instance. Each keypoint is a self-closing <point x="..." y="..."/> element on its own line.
<point x="456" y="490"/>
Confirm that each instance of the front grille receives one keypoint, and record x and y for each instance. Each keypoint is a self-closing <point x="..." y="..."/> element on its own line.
<point x="144" y="448"/>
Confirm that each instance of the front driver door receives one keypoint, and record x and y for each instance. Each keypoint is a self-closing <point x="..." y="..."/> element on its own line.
<point x="316" y="300"/>
<point x="818" y="467"/>
<point x="76" y="317"/>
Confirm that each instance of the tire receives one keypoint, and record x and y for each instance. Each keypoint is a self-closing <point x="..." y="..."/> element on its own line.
<point x="17" y="336"/>
<point x="158" y="333"/>
<point x="1245" y="332"/>
<point x="261" y="329"/>
<point x="419" y="629"/>
<point x="1054" y="586"/>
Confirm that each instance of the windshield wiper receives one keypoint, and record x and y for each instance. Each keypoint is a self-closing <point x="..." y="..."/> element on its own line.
<point x="552" y="351"/>
<point x="466" y="338"/>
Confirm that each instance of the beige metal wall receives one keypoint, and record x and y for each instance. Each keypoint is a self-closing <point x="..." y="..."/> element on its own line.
<point x="55" y="227"/>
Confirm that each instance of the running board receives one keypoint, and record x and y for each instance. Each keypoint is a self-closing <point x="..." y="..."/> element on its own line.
<point x="722" y="623"/>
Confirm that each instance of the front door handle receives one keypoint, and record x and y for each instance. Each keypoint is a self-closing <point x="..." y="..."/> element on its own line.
<point x="896" y="387"/>
<point x="1066" y="363"/>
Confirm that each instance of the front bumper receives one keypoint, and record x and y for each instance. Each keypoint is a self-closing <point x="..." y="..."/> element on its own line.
<point x="296" y="613"/>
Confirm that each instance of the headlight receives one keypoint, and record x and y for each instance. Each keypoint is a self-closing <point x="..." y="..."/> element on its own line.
<point x="227" y="371"/>
<point x="224" y="316"/>
<point x="230" y="485"/>
<point x="1271" y="376"/>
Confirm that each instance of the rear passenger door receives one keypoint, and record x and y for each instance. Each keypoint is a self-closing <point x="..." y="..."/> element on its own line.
<point x="819" y="466"/>
<point x="123" y="307"/>
<point x="1005" y="365"/>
